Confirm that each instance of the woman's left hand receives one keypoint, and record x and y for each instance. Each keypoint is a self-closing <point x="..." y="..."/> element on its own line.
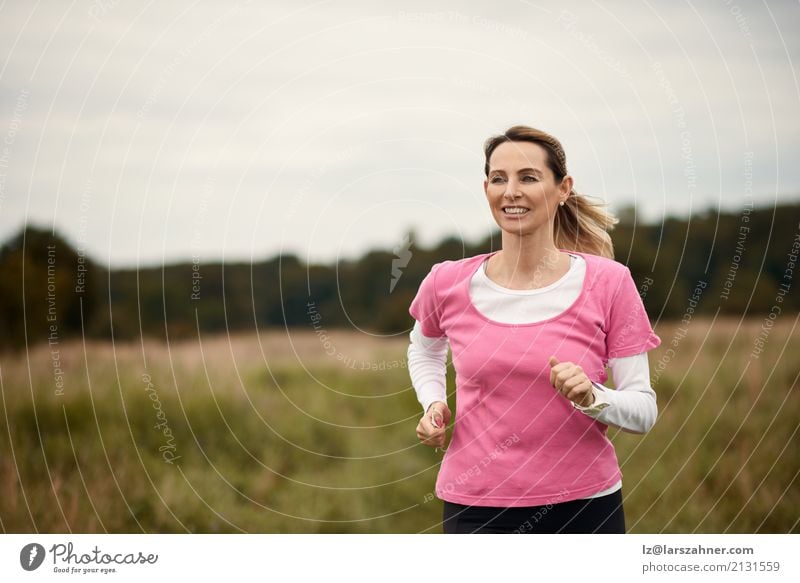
<point x="570" y="380"/>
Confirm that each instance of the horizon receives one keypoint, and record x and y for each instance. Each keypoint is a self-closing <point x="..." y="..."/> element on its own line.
<point x="352" y="259"/>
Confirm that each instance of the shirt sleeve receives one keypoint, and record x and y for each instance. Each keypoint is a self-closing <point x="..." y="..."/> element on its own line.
<point x="632" y="406"/>
<point x="425" y="307"/>
<point x="628" y="330"/>
<point x="427" y="366"/>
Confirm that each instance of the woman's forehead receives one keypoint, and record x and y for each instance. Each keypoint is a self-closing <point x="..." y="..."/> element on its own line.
<point x="513" y="156"/>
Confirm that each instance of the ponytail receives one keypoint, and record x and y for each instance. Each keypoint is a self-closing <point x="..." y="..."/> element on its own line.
<point x="582" y="225"/>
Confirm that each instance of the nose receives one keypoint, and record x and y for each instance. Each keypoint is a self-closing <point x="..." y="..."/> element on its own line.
<point x="511" y="190"/>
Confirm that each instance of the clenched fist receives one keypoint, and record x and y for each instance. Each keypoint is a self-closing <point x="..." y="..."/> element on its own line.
<point x="431" y="428"/>
<point x="570" y="380"/>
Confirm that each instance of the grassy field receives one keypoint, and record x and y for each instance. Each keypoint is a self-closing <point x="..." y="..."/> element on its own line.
<point x="294" y="433"/>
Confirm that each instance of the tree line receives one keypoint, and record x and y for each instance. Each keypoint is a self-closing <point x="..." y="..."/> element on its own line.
<point x="50" y="292"/>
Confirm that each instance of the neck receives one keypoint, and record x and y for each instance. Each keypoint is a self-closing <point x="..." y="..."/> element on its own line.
<point x="529" y="254"/>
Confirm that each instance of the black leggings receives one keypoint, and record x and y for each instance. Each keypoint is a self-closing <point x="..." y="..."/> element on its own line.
<point x="603" y="514"/>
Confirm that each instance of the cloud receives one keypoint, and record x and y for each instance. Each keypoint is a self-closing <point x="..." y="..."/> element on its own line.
<point x="147" y="107"/>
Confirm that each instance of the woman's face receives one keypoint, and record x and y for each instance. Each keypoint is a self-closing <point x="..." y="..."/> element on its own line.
<point x="521" y="188"/>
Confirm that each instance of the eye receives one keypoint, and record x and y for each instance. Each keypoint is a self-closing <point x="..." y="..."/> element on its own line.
<point x="532" y="178"/>
<point x="495" y="179"/>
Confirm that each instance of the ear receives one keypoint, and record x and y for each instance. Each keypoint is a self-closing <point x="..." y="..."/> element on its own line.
<point x="486" y="188"/>
<point x="566" y="185"/>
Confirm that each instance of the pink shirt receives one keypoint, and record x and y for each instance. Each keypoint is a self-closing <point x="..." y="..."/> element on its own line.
<point x="516" y="441"/>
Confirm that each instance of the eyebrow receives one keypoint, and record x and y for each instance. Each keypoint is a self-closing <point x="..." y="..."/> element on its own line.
<point x="536" y="170"/>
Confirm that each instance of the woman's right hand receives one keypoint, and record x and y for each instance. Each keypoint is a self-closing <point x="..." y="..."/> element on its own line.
<point x="431" y="428"/>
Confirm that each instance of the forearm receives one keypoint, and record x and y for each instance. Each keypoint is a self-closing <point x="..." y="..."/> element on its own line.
<point x="632" y="406"/>
<point x="631" y="410"/>
<point x="427" y="367"/>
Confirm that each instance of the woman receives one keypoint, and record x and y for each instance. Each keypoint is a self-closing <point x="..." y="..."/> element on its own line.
<point x="532" y="328"/>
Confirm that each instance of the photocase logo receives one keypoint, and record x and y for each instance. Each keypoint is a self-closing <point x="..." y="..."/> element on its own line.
<point x="402" y="257"/>
<point x="31" y="556"/>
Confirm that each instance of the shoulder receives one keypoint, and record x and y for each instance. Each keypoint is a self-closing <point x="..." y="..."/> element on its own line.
<point x="456" y="264"/>
<point x="604" y="264"/>
<point x="451" y="271"/>
<point x="607" y="274"/>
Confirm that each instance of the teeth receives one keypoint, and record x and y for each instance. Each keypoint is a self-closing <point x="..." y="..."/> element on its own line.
<point x="515" y="210"/>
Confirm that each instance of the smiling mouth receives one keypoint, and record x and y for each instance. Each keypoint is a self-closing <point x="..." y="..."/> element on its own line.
<point x="515" y="211"/>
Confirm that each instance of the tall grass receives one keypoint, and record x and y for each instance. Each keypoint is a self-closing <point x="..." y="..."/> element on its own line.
<point x="283" y="433"/>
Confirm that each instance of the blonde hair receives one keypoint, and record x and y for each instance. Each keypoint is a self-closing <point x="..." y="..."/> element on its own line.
<point x="580" y="224"/>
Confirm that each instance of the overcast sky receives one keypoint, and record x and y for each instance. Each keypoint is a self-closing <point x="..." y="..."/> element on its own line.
<point x="161" y="131"/>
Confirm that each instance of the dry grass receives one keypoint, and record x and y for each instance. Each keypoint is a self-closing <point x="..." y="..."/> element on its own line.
<point x="290" y="432"/>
